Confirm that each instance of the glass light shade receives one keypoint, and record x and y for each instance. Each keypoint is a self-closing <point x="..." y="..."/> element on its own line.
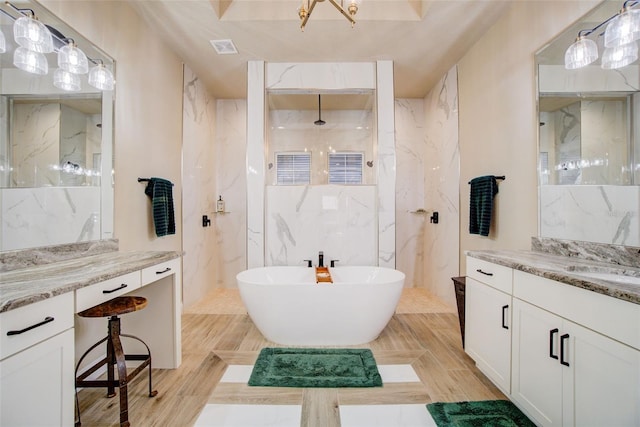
<point x="65" y="80"/>
<point x="30" y="61"/>
<point x="32" y="34"/>
<point x="623" y="29"/>
<point x="581" y="53"/>
<point x="621" y="56"/>
<point x="73" y="59"/>
<point x="101" y="78"/>
<point x="3" y="43"/>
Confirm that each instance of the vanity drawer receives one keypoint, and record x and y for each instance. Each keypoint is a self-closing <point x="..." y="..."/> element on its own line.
<point x="158" y="271"/>
<point x="100" y="292"/>
<point x="494" y="275"/>
<point x="34" y="323"/>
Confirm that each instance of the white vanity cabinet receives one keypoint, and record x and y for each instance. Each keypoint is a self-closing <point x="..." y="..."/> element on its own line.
<point x="567" y="369"/>
<point x="488" y="320"/>
<point x="36" y="366"/>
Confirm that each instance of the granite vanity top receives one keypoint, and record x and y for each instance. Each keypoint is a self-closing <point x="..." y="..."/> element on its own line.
<point x="32" y="284"/>
<point x="569" y="270"/>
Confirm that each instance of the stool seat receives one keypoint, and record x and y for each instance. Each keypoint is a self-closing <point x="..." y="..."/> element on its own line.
<point x="115" y="307"/>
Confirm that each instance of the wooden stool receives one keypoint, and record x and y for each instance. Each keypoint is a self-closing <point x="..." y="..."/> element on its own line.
<point x="115" y="354"/>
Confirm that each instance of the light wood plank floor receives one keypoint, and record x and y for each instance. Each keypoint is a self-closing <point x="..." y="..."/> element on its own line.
<point x="424" y="332"/>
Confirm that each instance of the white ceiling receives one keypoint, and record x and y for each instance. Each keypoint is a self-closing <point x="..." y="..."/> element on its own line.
<point x="423" y="38"/>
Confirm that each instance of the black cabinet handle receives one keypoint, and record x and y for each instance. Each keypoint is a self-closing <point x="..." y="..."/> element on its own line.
<point x="551" y="341"/>
<point x="46" y="320"/>
<point x="163" y="271"/>
<point x="562" y="342"/>
<point x="504" y="317"/>
<point x="484" y="272"/>
<point x="124" y="285"/>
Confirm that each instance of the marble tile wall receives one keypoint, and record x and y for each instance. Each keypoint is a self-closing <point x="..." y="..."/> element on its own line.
<point x="339" y="220"/>
<point x="597" y="213"/>
<point x="411" y="226"/>
<point x="231" y="183"/>
<point x="199" y="190"/>
<point x="442" y="187"/>
<point x="46" y="216"/>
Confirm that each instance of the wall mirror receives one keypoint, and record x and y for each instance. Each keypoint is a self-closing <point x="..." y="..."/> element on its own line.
<point x="589" y="143"/>
<point x="321" y="138"/>
<point x="56" y="146"/>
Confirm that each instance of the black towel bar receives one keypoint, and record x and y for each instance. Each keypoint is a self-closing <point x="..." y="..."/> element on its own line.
<point x="147" y="180"/>
<point x="502" y="177"/>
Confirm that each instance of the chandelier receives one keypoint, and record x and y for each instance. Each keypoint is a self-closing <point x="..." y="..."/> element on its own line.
<point x="304" y="11"/>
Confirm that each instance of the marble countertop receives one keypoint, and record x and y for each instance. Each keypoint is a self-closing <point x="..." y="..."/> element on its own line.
<point x="569" y="270"/>
<point x="32" y="284"/>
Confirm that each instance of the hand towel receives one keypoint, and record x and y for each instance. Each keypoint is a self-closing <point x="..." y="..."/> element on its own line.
<point x="161" y="193"/>
<point x="483" y="190"/>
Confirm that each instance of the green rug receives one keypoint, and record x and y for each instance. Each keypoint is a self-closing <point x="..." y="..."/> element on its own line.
<point x="315" y="367"/>
<point x="484" y="413"/>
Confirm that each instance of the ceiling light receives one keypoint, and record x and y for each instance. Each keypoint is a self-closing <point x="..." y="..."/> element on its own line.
<point x="32" y="34"/>
<point x="101" y="78"/>
<point x="72" y="59"/>
<point x="305" y="9"/>
<point x="619" y="56"/>
<point x="30" y="61"/>
<point x="622" y="29"/>
<point x="224" y="47"/>
<point x="63" y="79"/>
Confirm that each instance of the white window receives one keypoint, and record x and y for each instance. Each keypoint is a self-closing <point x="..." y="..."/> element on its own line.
<point x="345" y="168"/>
<point x="293" y="168"/>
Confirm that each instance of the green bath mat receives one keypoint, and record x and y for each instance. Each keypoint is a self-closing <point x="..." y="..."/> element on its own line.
<point x="484" y="413"/>
<point x="315" y="367"/>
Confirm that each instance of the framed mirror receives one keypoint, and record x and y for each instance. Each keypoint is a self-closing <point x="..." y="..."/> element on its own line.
<point x="589" y="141"/>
<point x="56" y="145"/>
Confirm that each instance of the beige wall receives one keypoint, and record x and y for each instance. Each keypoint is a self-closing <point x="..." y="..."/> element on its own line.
<point x="498" y="123"/>
<point x="148" y="114"/>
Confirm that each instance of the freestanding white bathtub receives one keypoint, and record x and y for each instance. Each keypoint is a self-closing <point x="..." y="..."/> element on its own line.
<point x="290" y="308"/>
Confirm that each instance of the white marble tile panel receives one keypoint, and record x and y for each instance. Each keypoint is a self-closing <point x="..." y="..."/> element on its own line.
<point x="220" y="415"/>
<point x="413" y="415"/>
<point x="198" y="196"/>
<point x="595" y="213"/>
<point x="255" y="165"/>
<point x="320" y="76"/>
<point x="303" y="220"/>
<point x="33" y="217"/>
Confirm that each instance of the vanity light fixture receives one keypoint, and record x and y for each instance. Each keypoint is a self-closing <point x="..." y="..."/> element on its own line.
<point x="30" y="61"/>
<point x="305" y="9"/>
<point x="32" y="34"/>
<point x="620" y="40"/>
<point x="63" y="79"/>
<point x="101" y="77"/>
<point x="72" y="59"/>
<point x="624" y="28"/>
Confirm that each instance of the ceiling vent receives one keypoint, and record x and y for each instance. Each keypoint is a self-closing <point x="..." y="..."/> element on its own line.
<point x="224" y="47"/>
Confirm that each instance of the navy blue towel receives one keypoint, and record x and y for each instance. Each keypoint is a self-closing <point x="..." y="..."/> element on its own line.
<point x="161" y="194"/>
<point x="483" y="189"/>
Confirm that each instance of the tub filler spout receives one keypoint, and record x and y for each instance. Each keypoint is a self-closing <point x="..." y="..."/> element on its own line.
<point x="320" y="259"/>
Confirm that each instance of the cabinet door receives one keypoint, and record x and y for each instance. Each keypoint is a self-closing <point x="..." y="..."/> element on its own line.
<point x="602" y="383"/>
<point x="537" y="372"/>
<point x="37" y="384"/>
<point x="487" y="333"/>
